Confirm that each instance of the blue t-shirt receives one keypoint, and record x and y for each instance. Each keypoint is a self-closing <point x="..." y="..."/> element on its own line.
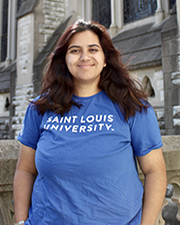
<point x="85" y="161"/>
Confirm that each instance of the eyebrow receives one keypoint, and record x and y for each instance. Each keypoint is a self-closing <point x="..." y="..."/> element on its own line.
<point x="78" y="46"/>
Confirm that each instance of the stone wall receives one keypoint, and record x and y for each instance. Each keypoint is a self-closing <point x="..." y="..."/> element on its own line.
<point x="4" y="118"/>
<point x="171" y="71"/>
<point x="53" y="14"/>
<point x="24" y="94"/>
<point x="4" y="128"/>
<point x="154" y="89"/>
<point x="9" y="150"/>
<point x="8" y="157"/>
<point x="34" y="30"/>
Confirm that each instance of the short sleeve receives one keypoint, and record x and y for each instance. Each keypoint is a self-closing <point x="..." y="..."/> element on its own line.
<point x="30" y="131"/>
<point x="145" y="133"/>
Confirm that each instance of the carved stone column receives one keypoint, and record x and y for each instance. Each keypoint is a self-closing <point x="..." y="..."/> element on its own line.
<point x="83" y="9"/>
<point x="178" y="14"/>
<point x="159" y="12"/>
<point x="88" y="9"/>
<point x="11" y="39"/>
<point x="119" y="14"/>
<point x="8" y="59"/>
<point x="113" y="26"/>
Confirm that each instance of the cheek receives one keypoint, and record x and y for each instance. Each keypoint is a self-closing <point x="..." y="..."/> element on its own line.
<point x="70" y="65"/>
<point x="103" y="62"/>
<point x="68" y="62"/>
<point x="103" y="59"/>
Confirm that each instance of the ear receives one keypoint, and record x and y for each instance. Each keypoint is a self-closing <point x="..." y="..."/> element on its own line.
<point x="104" y="64"/>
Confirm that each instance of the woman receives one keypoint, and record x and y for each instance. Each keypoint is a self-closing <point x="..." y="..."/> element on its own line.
<point x="80" y="138"/>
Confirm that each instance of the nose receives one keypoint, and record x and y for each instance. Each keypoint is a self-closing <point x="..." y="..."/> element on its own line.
<point x="84" y="56"/>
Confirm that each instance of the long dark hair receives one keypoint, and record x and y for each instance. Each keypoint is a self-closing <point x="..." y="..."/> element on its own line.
<point x="58" y="88"/>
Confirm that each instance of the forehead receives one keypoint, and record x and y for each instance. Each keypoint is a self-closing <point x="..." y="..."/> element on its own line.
<point x="84" y="38"/>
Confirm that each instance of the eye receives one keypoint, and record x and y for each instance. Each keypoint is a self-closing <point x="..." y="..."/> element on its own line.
<point x="74" y="50"/>
<point x="93" y="49"/>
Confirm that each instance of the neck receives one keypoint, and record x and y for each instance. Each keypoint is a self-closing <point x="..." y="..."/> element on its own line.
<point x="86" y="90"/>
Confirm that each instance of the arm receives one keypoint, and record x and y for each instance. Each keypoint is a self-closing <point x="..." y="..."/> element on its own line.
<point x="23" y="182"/>
<point x="153" y="167"/>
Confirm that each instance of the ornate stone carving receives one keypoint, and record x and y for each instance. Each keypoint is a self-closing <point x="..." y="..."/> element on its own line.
<point x="170" y="210"/>
<point x="176" y="198"/>
<point x="175" y="78"/>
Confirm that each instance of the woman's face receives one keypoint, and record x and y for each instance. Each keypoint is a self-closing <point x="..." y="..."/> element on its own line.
<point x="85" y="58"/>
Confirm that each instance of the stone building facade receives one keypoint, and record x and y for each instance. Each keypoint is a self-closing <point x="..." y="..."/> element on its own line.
<point x="146" y="32"/>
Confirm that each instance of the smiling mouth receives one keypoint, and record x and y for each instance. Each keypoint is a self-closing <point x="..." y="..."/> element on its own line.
<point x="85" y="65"/>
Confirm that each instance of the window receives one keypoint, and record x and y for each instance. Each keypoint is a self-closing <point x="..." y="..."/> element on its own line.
<point x="4" y="31"/>
<point x="18" y="4"/>
<point x="147" y="87"/>
<point x="138" y="9"/>
<point x="7" y="104"/>
<point x="172" y="2"/>
<point x="101" y="12"/>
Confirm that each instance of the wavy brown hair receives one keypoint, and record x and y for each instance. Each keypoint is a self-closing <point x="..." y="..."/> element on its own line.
<point x="58" y="88"/>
